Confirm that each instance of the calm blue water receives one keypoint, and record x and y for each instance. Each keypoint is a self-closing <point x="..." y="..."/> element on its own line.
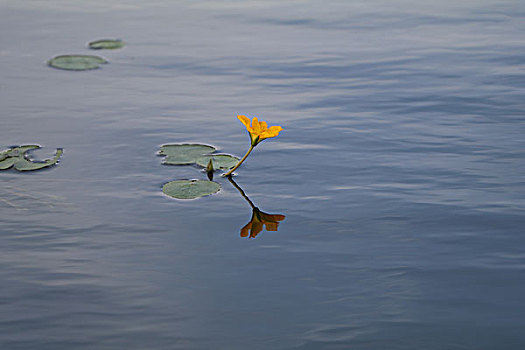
<point x="400" y="171"/>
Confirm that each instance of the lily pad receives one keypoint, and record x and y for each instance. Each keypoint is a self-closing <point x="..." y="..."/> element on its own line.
<point x="76" y="62"/>
<point x="23" y="164"/>
<point x="106" y="44"/>
<point x="183" y="154"/>
<point x="20" y="150"/>
<point x="16" y="157"/>
<point x="190" y="189"/>
<point x="7" y="163"/>
<point x="219" y="161"/>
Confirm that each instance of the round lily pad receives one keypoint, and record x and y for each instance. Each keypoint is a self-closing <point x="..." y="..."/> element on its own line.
<point x="180" y="154"/>
<point x="219" y="161"/>
<point x="106" y="44"/>
<point x="76" y="62"/>
<point x="190" y="189"/>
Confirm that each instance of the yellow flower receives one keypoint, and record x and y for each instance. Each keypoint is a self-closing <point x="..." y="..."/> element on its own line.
<point x="260" y="219"/>
<point x="259" y="130"/>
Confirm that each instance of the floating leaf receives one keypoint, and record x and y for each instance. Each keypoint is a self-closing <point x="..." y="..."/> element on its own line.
<point x="183" y="154"/>
<point x="76" y="62"/>
<point x="16" y="157"/>
<point x="190" y="189"/>
<point x="106" y="44"/>
<point x="7" y="163"/>
<point x="220" y="161"/>
<point x="23" y="164"/>
<point x="20" y="150"/>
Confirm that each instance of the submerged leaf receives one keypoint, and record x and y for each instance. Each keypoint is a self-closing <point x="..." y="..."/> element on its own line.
<point x="220" y="161"/>
<point x="76" y="62"/>
<point x="106" y="44"/>
<point x="190" y="189"/>
<point x="183" y="154"/>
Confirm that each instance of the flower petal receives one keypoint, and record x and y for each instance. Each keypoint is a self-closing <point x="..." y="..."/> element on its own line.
<point x="274" y="130"/>
<point x="246" y="121"/>
<point x="256" y="127"/>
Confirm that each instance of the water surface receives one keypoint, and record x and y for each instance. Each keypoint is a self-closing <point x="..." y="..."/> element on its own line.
<point x="399" y="170"/>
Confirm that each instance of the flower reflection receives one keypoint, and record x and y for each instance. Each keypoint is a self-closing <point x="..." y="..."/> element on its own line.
<point x="259" y="220"/>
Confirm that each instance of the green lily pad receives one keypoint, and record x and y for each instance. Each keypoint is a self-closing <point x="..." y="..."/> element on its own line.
<point x="20" y="150"/>
<point x="190" y="189"/>
<point x="183" y="154"/>
<point x="16" y="157"/>
<point x="7" y="163"/>
<point x="23" y="164"/>
<point x="219" y="161"/>
<point x="106" y="44"/>
<point x="76" y="62"/>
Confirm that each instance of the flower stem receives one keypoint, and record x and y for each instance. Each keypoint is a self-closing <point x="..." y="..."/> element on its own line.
<point x="229" y="173"/>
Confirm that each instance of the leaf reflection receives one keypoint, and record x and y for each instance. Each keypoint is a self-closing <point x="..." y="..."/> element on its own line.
<point x="259" y="219"/>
